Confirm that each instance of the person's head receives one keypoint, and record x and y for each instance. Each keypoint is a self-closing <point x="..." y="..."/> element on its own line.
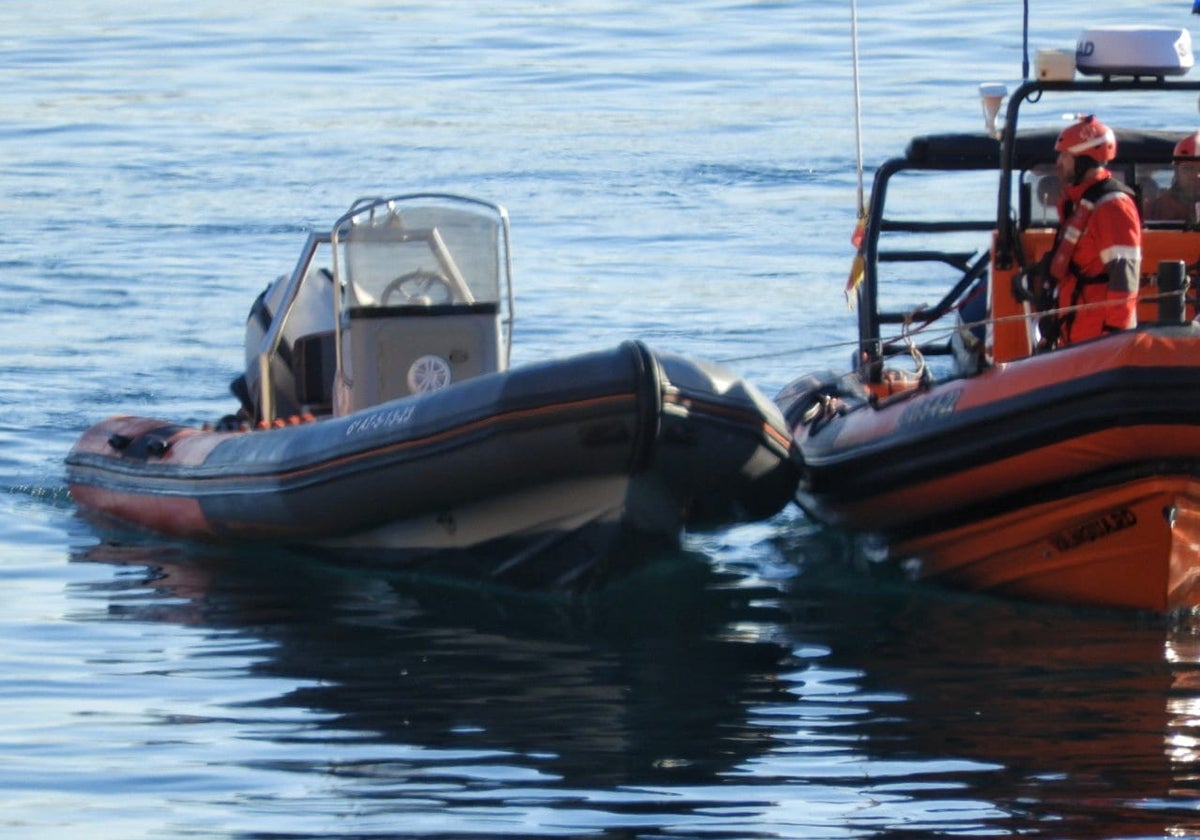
<point x="1082" y="147"/>
<point x="1187" y="165"/>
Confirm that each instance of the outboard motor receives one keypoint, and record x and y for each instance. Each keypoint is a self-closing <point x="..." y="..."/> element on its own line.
<point x="303" y="367"/>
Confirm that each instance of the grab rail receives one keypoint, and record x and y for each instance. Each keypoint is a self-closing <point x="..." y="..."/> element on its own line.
<point x="269" y="345"/>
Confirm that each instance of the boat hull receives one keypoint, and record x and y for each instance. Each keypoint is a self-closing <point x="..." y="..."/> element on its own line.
<point x="982" y="482"/>
<point x="625" y="439"/>
<point x="1130" y="545"/>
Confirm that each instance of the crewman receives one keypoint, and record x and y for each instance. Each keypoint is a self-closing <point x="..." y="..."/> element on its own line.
<point x="1096" y="259"/>
<point x="1181" y="201"/>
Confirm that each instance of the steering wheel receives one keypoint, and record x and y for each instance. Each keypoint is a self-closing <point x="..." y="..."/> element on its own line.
<point x="419" y="287"/>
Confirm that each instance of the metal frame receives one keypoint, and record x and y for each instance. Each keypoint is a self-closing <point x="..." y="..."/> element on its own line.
<point x="1032" y="91"/>
<point x="1009" y="155"/>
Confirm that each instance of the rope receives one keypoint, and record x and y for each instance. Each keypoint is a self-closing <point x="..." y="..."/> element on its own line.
<point x="906" y="334"/>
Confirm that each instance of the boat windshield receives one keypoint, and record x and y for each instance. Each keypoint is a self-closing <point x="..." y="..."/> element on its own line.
<point x="393" y="253"/>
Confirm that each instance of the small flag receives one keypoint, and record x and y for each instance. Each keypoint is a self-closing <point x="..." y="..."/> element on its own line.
<point x="860" y="228"/>
<point x="858" y="267"/>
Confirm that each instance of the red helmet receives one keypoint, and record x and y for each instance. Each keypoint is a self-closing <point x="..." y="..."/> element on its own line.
<point x="1187" y="147"/>
<point x="1088" y="137"/>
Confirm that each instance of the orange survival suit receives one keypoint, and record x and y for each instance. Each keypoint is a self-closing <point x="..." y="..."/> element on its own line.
<point x="1098" y="250"/>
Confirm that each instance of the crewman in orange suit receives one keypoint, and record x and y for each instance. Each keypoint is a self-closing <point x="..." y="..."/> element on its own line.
<point x="1097" y="253"/>
<point x="1181" y="202"/>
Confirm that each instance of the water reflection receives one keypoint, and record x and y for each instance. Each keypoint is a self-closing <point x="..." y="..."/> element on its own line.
<point x="647" y="681"/>
<point x="1072" y="723"/>
<point x="692" y="697"/>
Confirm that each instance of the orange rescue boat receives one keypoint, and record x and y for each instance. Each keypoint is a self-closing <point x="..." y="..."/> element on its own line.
<point x="1071" y="475"/>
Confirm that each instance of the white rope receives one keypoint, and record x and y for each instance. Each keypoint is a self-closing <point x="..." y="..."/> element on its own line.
<point x="906" y="334"/>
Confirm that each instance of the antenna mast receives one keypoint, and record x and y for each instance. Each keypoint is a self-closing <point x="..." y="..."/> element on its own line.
<point x="862" y="212"/>
<point x="1025" y="44"/>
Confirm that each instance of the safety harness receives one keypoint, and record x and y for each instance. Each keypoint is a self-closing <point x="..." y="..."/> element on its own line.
<point x="1062" y="265"/>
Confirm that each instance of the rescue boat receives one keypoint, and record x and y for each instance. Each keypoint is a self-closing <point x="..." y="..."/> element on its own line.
<point x="956" y="447"/>
<point x="379" y="418"/>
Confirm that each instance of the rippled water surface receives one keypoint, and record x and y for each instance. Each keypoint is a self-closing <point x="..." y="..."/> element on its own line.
<point x="679" y="172"/>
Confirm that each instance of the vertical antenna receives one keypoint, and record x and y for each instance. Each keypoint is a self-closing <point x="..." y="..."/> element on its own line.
<point x="862" y="212"/>
<point x="1025" y="45"/>
<point x="858" y="266"/>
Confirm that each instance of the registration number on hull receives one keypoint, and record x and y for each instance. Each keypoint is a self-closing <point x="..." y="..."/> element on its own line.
<point x="1094" y="529"/>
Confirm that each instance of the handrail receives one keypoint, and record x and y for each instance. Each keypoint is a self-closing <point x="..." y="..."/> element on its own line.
<point x="449" y="266"/>
<point x="511" y="315"/>
<point x="269" y="345"/>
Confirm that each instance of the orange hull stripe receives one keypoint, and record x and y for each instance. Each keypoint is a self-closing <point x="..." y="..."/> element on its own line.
<point x="743" y="417"/>
<point x="193" y="442"/>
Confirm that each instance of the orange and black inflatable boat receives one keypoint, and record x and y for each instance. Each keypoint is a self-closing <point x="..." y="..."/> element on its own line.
<point x="974" y="458"/>
<point x="469" y="478"/>
<point x="379" y="419"/>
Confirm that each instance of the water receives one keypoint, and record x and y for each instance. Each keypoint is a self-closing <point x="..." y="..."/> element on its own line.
<point x="683" y="173"/>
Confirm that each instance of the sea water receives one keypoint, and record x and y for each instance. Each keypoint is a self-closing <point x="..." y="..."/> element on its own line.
<point x="684" y="173"/>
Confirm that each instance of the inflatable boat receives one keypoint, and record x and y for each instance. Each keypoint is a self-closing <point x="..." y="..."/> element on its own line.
<point x="955" y="445"/>
<point x="379" y="416"/>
